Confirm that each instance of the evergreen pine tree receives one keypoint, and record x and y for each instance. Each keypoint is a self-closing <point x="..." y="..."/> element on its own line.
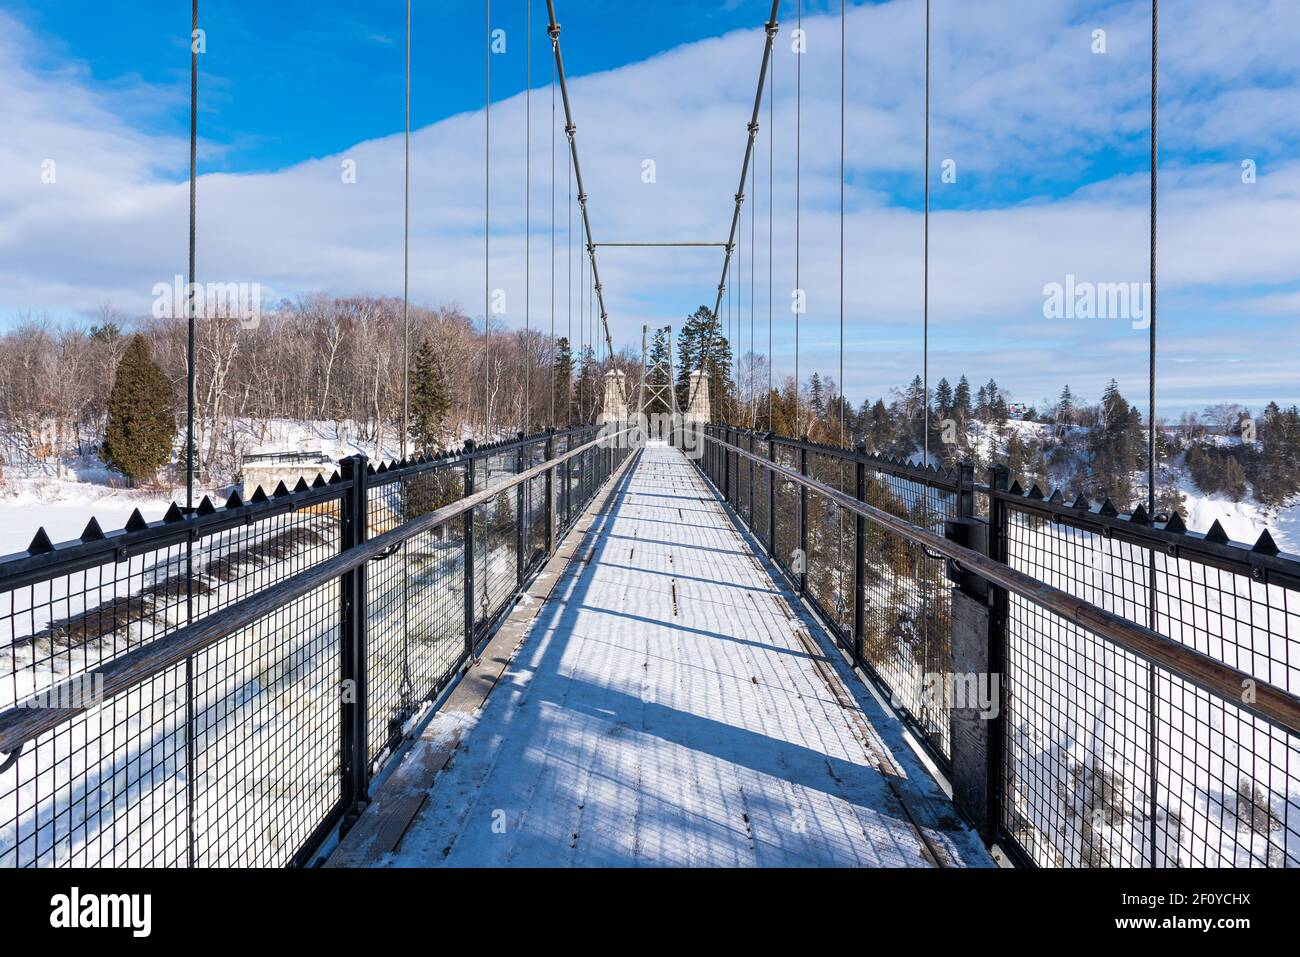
<point x="817" y="396"/>
<point x="944" y="399"/>
<point x="141" y="420"/>
<point x="691" y="340"/>
<point x="1065" y="407"/>
<point x="961" y="399"/>
<point x="562" y="382"/>
<point x="429" y="401"/>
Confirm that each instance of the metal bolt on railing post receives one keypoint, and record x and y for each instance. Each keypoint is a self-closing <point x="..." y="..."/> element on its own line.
<point x="469" y="552"/>
<point x="354" y="745"/>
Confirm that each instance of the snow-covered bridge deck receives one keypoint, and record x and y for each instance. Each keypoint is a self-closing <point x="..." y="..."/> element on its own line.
<point x="673" y="704"/>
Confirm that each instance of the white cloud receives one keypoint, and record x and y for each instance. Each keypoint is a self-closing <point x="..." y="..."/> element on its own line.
<point x="1020" y="103"/>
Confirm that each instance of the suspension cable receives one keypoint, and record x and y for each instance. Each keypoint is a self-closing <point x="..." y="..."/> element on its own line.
<point x="553" y="355"/>
<point x="189" y="430"/>
<point x="802" y="300"/>
<point x="1151" y="363"/>
<point x="1152" y="598"/>
<point x="406" y="251"/>
<point x="753" y="248"/>
<point x="487" y="222"/>
<point x="571" y="130"/>
<point x="190" y="346"/>
<point x="842" y="99"/>
<point x="771" y="223"/>
<point x="528" y="217"/>
<point x="770" y="28"/>
<point x="568" y="301"/>
<point x="925" y="266"/>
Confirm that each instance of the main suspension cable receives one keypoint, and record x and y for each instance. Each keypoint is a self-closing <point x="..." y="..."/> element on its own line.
<point x="571" y="130"/>
<point x="770" y="28"/>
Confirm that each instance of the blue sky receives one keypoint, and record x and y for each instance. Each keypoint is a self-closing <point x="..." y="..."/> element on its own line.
<point x="293" y="79"/>
<point x="1048" y="137"/>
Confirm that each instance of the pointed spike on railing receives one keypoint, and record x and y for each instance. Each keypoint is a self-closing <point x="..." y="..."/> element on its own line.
<point x="1057" y="497"/>
<point x="302" y="485"/>
<point x="1216" y="533"/>
<point x="1265" y="544"/>
<point x="1036" y="492"/>
<point x="235" y="501"/>
<point x="1081" y="501"/>
<point x="1175" y="524"/>
<point x="174" y="514"/>
<point x="1108" y="508"/>
<point x="335" y="478"/>
<point x="41" y="544"/>
<point x="1139" y="516"/>
<point x="259" y="495"/>
<point x="370" y="469"/>
<point x="383" y="467"/>
<point x="1016" y="488"/>
<point x="136" y="522"/>
<point x="93" y="533"/>
<point x="281" y="490"/>
<point x="206" y="507"/>
<point x="320" y="481"/>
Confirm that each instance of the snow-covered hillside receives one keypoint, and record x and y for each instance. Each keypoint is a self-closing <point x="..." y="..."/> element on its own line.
<point x="1243" y="520"/>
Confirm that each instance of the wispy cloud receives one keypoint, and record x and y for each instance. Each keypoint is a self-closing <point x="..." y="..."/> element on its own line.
<point x="1048" y="141"/>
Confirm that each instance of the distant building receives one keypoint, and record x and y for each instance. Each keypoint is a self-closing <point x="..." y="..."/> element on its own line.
<point x="268" y="469"/>
<point x="1017" y="410"/>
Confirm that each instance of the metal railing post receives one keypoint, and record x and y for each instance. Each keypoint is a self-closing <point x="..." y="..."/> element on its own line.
<point x="978" y="620"/>
<point x="752" y="472"/>
<point x="859" y="558"/>
<point x="469" y="552"/>
<point x="568" y="495"/>
<point x="803" y="517"/>
<point x="354" y="696"/>
<point x="999" y="601"/>
<point x="726" y="467"/>
<point x="549" y="453"/>
<point x="520" y="503"/>
<point x="771" y="498"/>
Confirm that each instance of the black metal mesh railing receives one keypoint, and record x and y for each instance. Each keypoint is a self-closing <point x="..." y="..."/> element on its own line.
<point x="1116" y="762"/>
<point x="1106" y="758"/>
<point x="240" y="752"/>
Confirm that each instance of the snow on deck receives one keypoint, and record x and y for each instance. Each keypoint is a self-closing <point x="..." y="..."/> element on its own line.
<point x="664" y="710"/>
